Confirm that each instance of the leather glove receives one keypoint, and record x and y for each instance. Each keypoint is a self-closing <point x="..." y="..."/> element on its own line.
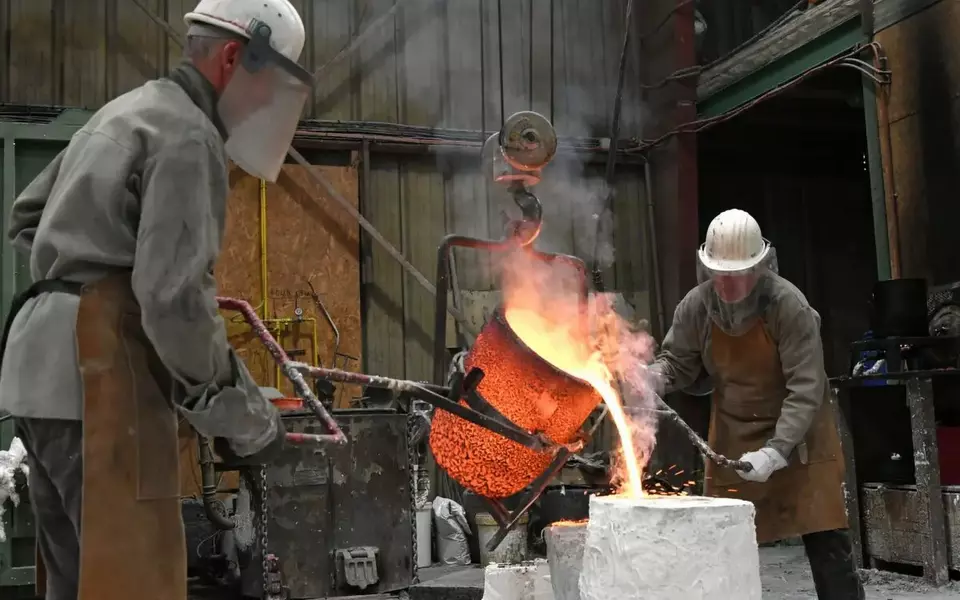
<point x="269" y="453"/>
<point x="765" y="461"/>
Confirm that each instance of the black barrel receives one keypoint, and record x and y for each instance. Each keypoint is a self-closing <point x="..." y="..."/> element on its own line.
<point x="899" y="308"/>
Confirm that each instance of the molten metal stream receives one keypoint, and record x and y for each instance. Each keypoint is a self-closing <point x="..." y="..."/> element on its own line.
<point x="563" y="347"/>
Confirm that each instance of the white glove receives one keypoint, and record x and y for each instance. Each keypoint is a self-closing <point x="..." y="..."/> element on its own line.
<point x="765" y="462"/>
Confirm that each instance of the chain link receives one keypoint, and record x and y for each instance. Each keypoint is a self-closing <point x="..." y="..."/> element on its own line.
<point x="413" y="466"/>
<point x="263" y="525"/>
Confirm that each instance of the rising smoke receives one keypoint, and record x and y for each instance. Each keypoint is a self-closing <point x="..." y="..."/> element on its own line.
<point x="452" y="55"/>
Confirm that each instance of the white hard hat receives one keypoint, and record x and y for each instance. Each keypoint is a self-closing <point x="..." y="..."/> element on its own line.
<point x="733" y="243"/>
<point x="287" y="34"/>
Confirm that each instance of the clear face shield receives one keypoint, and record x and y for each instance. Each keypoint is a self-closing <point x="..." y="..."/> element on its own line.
<point x="261" y="106"/>
<point x="735" y="299"/>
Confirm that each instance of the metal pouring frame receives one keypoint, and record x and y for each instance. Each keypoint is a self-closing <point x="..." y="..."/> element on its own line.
<point x="478" y="411"/>
<point x="464" y="385"/>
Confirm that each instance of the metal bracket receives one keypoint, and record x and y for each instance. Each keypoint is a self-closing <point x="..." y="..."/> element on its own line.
<point x="358" y="566"/>
<point x="273" y="586"/>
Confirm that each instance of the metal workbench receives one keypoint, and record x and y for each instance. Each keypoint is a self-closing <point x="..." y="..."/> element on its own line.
<point x="899" y="522"/>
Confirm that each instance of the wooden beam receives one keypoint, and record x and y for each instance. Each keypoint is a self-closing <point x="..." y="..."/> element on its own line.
<point x="804" y="41"/>
<point x="927" y="467"/>
<point x="891" y="12"/>
<point x="767" y="72"/>
<point x="789" y="37"/>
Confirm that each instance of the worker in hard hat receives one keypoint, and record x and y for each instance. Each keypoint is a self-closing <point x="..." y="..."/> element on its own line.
<point x="758" y="339"/>
<point x="120" y="337"/>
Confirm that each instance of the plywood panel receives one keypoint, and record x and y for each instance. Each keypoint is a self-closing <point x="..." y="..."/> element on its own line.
<point x="309" y="240"/>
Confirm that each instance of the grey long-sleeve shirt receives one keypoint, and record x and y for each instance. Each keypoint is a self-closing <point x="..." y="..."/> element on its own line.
<point x="792" y="324"/>
<point x="142" y="187"/>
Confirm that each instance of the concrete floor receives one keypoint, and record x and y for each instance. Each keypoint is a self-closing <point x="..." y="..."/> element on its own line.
<point x="785" y="574"/>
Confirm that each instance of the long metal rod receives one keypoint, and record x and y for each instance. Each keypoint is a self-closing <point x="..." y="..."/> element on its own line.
<point x="287" y="366"/>
<point x="663" y="409"/>
<point x="328" y="187"/>
<point x="654" y="268"/>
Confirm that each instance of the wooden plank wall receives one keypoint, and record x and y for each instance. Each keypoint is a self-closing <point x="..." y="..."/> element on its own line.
<point x="438" y="64"/>
<point x="414" y="202"/>
<point x="924" y="121"/>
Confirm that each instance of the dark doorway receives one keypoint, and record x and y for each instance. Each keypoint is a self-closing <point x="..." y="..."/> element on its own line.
<point x="797" y="163"/>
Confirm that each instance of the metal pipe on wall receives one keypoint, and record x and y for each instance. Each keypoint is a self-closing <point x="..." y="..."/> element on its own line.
<point x="889" y="183"/>
<point x="612" y="152"/>
<point x="264" y="289"/>
<point x="654" y="267"/>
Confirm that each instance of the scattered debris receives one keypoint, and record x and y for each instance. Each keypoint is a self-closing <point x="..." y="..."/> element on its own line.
<point x="11" y="461"/>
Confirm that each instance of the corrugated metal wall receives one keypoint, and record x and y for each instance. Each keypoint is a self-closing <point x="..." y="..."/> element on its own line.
<point x="414" y="202"/>
<point x="457" y="64"/>
<point x="437" y="63"/>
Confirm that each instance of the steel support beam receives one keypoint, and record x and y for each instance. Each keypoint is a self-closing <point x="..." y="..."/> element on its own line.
<point x="8" y="258"/>
<point x="789" y="66"/>
<point x="875" y="169"/>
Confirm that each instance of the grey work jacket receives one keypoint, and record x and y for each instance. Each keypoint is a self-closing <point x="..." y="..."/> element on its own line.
<point x="795" y="327"/>
<point x="142" y="186"/>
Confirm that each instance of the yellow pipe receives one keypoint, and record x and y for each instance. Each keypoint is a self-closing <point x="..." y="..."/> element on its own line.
<point x="265" y="290"/>
<point x="282" y="323"/>
<point x="263" y="250"/>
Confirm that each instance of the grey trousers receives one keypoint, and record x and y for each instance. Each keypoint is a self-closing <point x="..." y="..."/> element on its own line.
<point x="55" y="457"/>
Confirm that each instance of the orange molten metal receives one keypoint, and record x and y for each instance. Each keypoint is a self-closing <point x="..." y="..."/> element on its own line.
<point x="529" y="392"/>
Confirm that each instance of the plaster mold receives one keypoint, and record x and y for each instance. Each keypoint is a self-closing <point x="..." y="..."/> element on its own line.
<point x="565" y="542"/>
<point x="670" y="548"/>
<point x="522" y="581"/>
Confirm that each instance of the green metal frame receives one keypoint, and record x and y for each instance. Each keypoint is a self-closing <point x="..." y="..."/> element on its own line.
<point x="18" y="139"/>
<point x="25" y="148"/>
<point x="841" y="38"/>
<point x="875" y="169"/>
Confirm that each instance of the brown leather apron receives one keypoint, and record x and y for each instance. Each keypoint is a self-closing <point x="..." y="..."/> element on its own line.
<point x="807" y="495"/>
<point x="132" y="542"/>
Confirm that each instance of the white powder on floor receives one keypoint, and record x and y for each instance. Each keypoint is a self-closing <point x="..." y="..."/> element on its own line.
<point x="11" y="461"/>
